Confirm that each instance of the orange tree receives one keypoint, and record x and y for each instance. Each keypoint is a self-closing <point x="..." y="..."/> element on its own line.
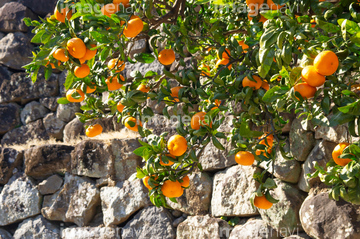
<point x="252" y="61"/>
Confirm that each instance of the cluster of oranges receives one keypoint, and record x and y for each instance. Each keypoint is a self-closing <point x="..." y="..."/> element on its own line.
<point x="257" y="84"/>
<point x="255" y="6"/>
<point x="326" y="63"/>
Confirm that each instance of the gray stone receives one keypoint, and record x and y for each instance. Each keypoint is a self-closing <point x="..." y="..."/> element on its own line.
<point x="67" y="112"/>
<point x="33" y="111"/>
<point x="62" y="80"/>
<point x="176" y="213"/>
<point x="75" y="202"/>
<point x="12" y="17"/>
<point x="15" y="50"/>
<point x="254" y="229"/>
<point x="181" y="109"/>
<point x="177" y="221"/>
<point x="196" y="199"/>
<point x="155" y="66"/>
<point x="232" y="190"/>
<point x="287" y="117"/>
<point x="300" y="235"/>
<point x="73" y="130"/>
<point x="41" y="7"/>
<point x="336" y="134"/>
<point x="37" y="228"/>
<point x="320" y="154"/>
<point x="50" y="102"/>
<point x="9" y="160"/>
<point x="284" y="215"/>
<point x="46" y="160"/>
<point x="151" y="222"/>
<point x="119" y="203"/>
<point x="91" y="158"/>
<point x="19" y="88"/>
<point x="22" y="135"/>
<point x="9" y="117"/>
<point x="3" y="2"/>
<point x="139" y="46"/>
<point x="50" y="185"/>
<point x="54" y="126"/>
<point x="155" y="106"/>
<point x="204" y="227"/>
<point x="322" y="217"/>
<point x="301" y="141"/>
<point x="160" y="45"/>
<point x="19" y="199"/>
<point x="176" y="67"/>
<point x="125" y="161"/>
<point x="159" y="124"/>
<point x="91" y="233"/>
<point x="5" y="234"/>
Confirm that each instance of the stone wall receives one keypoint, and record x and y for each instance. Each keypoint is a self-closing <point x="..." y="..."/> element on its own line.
<point x="86" y="188"/>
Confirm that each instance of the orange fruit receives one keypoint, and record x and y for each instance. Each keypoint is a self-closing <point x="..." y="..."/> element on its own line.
<point x="224" y="62"/>
<point x="70" y="98"/>
<point x="76" y="48"/>
<point x="143" y="88"/>
<point x="305" y="90"/>
<point x="109" y="9"/>
<point x="251" y="3"/>
<point x="270" y="142"/>
<point x="166" y="57"/>
<point x="114" y="84"/>
<point x="60" y="16"/>
<point x="243" y="45"/>
<point x="310" y="76"/>
<point x="94" y="130"/>
<point x="198" y="120"/>
<point x="313" y="23"/>
<point x="146" y="180"/>
<point x="52" y="65"/>
<point x="90" y="90"/>
<point x="265" y="85"/>
<point x="59" y="55"/>
<point x="175" y="93"/>
<point x="82" y="71"/>
<point x="338" y="150"/>
<point x="116" y="64"/>
<point x="89" y="54"/>
<point x="186" y="182"/>
<point x="255" y="85"/>
<point x="217" y="103"/>
<point x="172" y="189"/>
<point x="123" y="2"/>
<point x="133" y="28"/>
<point x="204" y="72"/>
<point x="274" y="6"/>
<point x="244" y="158"/>
<point x="133" y="128"/>
<point x="262" y="202"/>
<point x="120" y="107"/>
<point x="326" y="63"/>
<point x="169" y="163"/>
<point x="225" y="54"/>
<point x="177" y="145"/>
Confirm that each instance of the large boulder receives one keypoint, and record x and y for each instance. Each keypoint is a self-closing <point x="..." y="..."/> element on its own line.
<point x="204" y="227"/>
<point x="12" y="17"/>
<point x="50" y="185"/>
<point x="284" y="215"/>
<point x="322" y="217"/>
<point x="143" y="68"/>
<point x="196" y="199"/>
<point x="254" y="229"/>
<point x="67" y="112"/>
<point x="9" y="160"/>
<point x="90" y="233"/>
<point x="159" y="124"/>
<point x="40" y="7"/>
<point x="24" y="134"/>
<point x="232" y="190"/>
<point x="37" y="227"/>
<point x="151" y="222"/>
<point x="75" y="202"/>
<point x="20" y="88"/>
<point x="54" y="126"/>
<point x="19" y="200"/>
<point x="120" y="202"/>
<point x="139" y="46"/>
<point x="9" y="117"/>
<point x="43" y="161"/>
<point x="50" y="102"/>
<point x="15" y="50"/>
<point x="32" y="111"/>
<point x="73" y="130"/>
<point x="335" y="134"/>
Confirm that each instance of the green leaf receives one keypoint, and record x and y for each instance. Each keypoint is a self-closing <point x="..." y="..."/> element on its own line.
<point x="144" y="57"/>
<point x="327" y="26"/>
<point x="99" y="37"/>
<point x="63" y="101"/>
<point x="217" y="144"/>
<point x="139" y="173"/>
<point x="275" y="93"/>
<point x="140" y="151"/>
<point x="270" y="183"/>
<point x="340" y="118"/>
<point x="270" y="198"/>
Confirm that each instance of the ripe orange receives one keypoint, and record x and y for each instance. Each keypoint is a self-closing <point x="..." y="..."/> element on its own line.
<point x="60" y="16"/>
<point x="133" y="28"/>
<point x="338" y="150"/>
<point x="76" y="48"/>
<point x="198" y="120"/>
<point x="120" y="107"/>
<point x="94" y="130"/>
<point x="265" y="85"/>
<point x="109" y="9"/>
<point x="175" y="93"/>
<point x="262" y="202"/>
<point x="243" y="45"/>
<point x="186" y="182"/>
<point x="270" y="142"/>
<point x="114" y="84"/>
<point x="133" y="128"/>
<point x="310" y="76"/>
<point x="143" y="88"/>
<point x="166" y="57"/>
<point x="70" y="98"/>
<point x="52" y="65"/>
<point x="89" y="54"/>
<point x="305" y="90"/>
<point x="224" y="62"/>
<point x="177" y="145"/>
<point x="172" y="189"/>
<point x="116" y="64"/>
<point x="204" y="72"/>
<point x="217" y="103"/>
<point x="82" y="71"/>
<point x="244" y="158"/>
<point x="123" y="2"/>
<point x="90" y="90"/>
<point x="145" y="181"/>
<point x="225" y="54"/>
<point x="59" y="55"/>
<point x="326" y="63"/>
<point x="274" y="6"/>
<point x="255" y="85"/>
<point x="169" y="163"/>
